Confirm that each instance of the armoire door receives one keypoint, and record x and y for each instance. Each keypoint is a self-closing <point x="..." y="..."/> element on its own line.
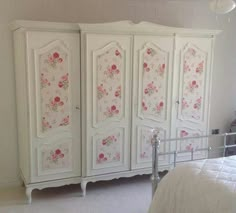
<point x="107" y="74"/>
<point x="54" y="98"/>
<point x="152" y="88"/>
<point x="191" y="93"/>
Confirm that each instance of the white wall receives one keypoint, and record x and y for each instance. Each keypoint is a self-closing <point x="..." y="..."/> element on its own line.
<point x="175" y="13"/>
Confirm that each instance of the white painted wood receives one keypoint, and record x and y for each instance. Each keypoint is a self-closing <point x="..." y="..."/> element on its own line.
<point x="44" y="26"/>
<point x="48" y="151"/>
<point x="22" y="104"/>
<point x="132" y="80"/>
<point x="191" y="93"/>
<point x="107" y="73"/>
<point x="65" y="137"/>
<point x="144" y="28"/>
<point x="152" y="89"/>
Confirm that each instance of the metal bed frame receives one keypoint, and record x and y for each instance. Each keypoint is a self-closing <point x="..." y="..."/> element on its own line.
<point x="156" y="142"/>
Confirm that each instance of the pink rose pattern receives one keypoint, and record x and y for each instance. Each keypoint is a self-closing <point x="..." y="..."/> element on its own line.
<point x="191" y="144"/>
<point x="154" y="82"/>
<point x="193" y="78"/>
<point x="108" y="149"/>
<point x="45" y="124"/>
<point x="54" y="92"/>
<point x="150" y="89"/>
<point x="44" y="81"/>
<point x="101" y="92"/>
<point x="109" y="78"/>
<point x="111" y="111"/>
<point x="56" y="157"/>
<point x="64" y="82"/>
<point x="54" y="59"/>
<point x="65" y="121"/>
<point x="159" y="107"/>
<point x="144" y="106"/>
<point x="118" y="92"/>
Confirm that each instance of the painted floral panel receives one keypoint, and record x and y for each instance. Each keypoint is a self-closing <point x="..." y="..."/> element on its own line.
<point x="109" y="71"/>
<point x="191" y="144"/>
<point x="154" y="82"/>
<point x="54" y="89"/>
<point x="145" y="143"/>
<point x="108" y="148"/>
<point x="193" y="71"/>
<point x="55" y="157"/>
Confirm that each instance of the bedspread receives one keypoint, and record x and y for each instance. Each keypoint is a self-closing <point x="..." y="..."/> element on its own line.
<point x="204" y="186"/>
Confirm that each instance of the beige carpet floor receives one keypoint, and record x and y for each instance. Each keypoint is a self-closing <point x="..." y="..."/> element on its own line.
<point x="127" y="195"/>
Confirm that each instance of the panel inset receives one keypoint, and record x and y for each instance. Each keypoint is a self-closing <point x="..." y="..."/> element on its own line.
<point x="54" y="158"/>
<point x="190" y="144"/>
<point x="153" y="76"/>
<point x="53" y="86"/>
<point x="108" y="72"/>
<point x="108" y="149"/>
<point x="192" y="89"/>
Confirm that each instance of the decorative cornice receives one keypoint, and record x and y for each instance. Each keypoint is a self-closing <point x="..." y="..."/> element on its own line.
<point x="127" y="27"/>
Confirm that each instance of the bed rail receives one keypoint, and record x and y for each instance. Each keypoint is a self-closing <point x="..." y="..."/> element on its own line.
<point x="156" y="142"/>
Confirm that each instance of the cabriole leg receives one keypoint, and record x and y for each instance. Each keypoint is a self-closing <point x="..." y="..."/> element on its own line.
<point x="28" y="193"/>
<point x="83" y="187"/>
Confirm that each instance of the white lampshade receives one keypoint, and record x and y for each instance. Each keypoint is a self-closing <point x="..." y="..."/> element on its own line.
<point x="222" y="6"/>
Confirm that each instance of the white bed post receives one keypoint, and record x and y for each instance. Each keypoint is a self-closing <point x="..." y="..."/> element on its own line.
<point x="155" y="175"/>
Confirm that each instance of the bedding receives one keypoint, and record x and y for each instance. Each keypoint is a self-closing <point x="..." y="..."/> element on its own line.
<point x="204" y="186"/>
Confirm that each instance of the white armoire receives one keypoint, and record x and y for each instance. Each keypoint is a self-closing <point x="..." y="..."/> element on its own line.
<point x="89" y="95"/>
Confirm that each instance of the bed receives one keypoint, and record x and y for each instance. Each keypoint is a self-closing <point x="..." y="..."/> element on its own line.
<point x="198" y="186"/>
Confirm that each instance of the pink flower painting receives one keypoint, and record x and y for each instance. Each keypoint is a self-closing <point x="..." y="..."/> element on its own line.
<point x="183" y="133"/>
<point x="159" y="107"/>
<point x="199" y="68"/>
<point x="56" y="155"/>
<point x="54" y="59"/>
<point x="146" y="68"/>
<point x="64" y="82"/>
<point x="118" y="92"/>
<point x="45" y="124"/>
<point x="144" y="106"/>
<point x="192" y="86"/>
<point x="101" y="91"/>
<point x="101" y="158"/>
<point x="150" y="89"/>
<point x="112" y="111"/>
<point x="55" y="103"/>
<point x="186" y="67"/>
<point x="44" y="81"/>
<point x="197" y="105"/>
<point x="65" y="121"/>
<point x="117" y="53"/>
<point x="161" y="69"/>
<point x="109" y="140"/>
<point x="185" y="104"/>
<point x="112" y="71"/>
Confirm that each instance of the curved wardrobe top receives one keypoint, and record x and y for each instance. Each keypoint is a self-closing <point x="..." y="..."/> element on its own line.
<point x="44" y="25"/>
<point x="128" y="27"/>
<point x="145" y="28"/>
